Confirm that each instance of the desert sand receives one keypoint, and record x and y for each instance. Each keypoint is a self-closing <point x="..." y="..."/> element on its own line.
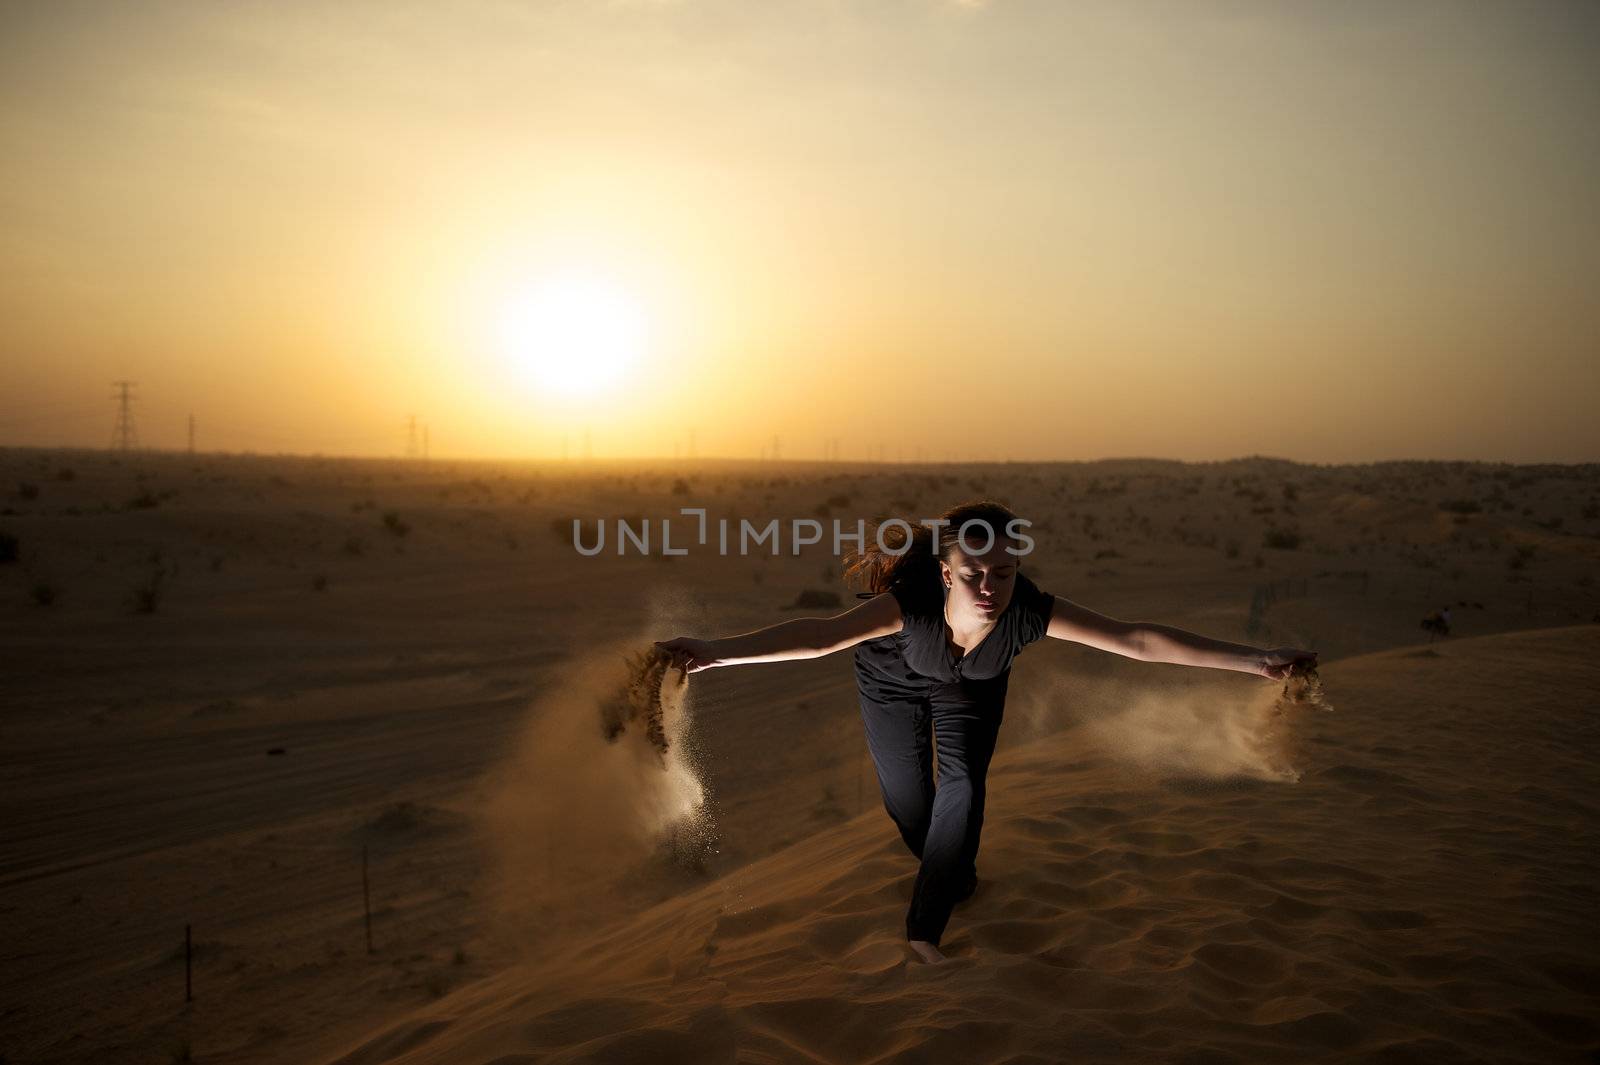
<point x="229" y="678"/>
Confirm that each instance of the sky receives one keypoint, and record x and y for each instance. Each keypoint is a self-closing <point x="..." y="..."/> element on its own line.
<point x="898" y="229"/>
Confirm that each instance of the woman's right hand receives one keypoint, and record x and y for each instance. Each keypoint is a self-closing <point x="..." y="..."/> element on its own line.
<point x="690" y="655"/>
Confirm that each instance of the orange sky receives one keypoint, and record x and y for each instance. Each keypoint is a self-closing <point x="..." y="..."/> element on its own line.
<point x="1327" y="232"/>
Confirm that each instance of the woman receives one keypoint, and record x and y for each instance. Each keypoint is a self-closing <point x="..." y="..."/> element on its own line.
<point x="934" y="645"/>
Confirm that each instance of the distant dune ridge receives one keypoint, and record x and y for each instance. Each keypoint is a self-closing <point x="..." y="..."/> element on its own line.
<point x="1425" y="894"/>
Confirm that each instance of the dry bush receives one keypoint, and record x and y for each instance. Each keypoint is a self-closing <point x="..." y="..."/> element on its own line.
<point x="146" y="597"/>
<point x="1281" y="539"/>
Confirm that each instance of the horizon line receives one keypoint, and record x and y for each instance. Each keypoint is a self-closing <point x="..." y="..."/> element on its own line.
<point x="158" y="452"/>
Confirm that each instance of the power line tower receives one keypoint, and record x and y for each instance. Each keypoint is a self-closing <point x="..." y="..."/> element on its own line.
<point x="411" y="437"/>
<point x="124" y="437"/>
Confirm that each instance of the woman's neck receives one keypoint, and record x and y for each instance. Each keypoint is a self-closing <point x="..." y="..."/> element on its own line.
<point x="965" y="629"/>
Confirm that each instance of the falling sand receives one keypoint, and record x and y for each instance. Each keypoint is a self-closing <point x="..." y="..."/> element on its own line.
<point x="1302" y="687"/>
<point x="601" y="798"/>
<point x="1209" y="729"/>
<point x="647" y="696"/>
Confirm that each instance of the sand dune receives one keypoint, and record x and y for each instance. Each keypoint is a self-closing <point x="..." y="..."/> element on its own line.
<point x="399" y="664"/>
<point x="1425" y="892"/>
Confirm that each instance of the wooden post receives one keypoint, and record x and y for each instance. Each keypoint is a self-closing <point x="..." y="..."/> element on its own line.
<point x="366" y="896"/>
<point x="188" y="964"/>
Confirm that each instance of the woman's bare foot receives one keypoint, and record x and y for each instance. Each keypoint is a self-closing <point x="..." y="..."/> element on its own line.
<point x="926" y="951"/>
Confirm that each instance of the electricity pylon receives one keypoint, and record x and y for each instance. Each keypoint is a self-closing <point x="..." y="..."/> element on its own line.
<point x="124" y="437"/>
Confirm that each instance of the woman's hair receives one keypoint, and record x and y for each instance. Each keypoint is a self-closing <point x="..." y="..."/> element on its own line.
<point x="878" y="570"/>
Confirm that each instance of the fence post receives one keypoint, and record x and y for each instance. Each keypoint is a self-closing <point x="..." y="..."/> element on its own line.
<point x="366" y="896"/>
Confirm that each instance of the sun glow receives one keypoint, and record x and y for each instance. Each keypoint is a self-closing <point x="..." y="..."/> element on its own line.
<point x="572" y="335"/>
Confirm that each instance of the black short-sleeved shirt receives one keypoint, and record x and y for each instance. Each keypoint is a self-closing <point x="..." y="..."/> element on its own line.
<point x="918" y="661"/>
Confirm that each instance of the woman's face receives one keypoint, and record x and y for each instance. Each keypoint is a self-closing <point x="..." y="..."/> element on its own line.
<point x="980" y="585"/>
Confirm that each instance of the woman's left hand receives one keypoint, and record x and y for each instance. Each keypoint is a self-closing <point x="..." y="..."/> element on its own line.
<point x="1279" y="663"/>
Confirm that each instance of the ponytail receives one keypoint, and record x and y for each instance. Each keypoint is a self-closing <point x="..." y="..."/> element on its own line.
<point x="879" y="567"/>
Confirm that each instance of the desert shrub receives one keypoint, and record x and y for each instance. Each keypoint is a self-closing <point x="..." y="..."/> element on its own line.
<point x="8" y="548"/>
<point x="1281" y="539"/>
<point x="1232" y="549"/>
<point x="144" y="501"/>
<point x="392" y="522"/>
<point x="27" y="490"/>
<point x="319" y="583"/>
<point x="354" y="545"/>
<point x="44" y="593"/>
<point x="65" y="473"/>
<point x="146" y="597"/>
<point x="680" y="487"/>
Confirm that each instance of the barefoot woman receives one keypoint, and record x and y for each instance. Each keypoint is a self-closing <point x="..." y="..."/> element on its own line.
<point x="934" y="644"/>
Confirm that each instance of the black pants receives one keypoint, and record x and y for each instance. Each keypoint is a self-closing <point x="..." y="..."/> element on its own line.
<point x="940" y="824"/>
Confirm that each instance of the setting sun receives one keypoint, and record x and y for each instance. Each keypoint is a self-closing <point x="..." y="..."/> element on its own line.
<point x="572" y="335"/>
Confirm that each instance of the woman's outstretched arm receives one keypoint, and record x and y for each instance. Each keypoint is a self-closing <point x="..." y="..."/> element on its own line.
<point x="788" y="640"/>
<point x="1149" y="642"/>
